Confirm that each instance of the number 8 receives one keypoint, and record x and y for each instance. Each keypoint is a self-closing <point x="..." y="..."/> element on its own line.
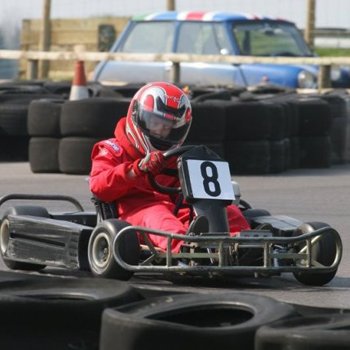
<point x="210" y="179"/>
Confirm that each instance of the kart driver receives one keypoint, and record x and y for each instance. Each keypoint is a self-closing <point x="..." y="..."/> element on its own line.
<point x="158" y="119"/>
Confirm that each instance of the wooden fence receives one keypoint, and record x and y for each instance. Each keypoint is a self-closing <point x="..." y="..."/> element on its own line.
<point x="33" y="57"/>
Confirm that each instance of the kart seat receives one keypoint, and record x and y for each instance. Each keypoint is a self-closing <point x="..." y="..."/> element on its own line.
<point x="104" y="210"/>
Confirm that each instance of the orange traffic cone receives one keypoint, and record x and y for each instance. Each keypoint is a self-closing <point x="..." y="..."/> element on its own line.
<point x="79" y="90"/>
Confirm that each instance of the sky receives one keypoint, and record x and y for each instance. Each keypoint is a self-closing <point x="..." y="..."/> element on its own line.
<point x="329" y="13"/>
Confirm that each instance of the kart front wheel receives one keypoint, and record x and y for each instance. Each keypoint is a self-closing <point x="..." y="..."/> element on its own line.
<point x="323" y="251"/>
<point x="100" y="250"/>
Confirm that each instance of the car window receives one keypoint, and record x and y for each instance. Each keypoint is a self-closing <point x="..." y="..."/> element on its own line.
<point x="150" y="37"/>
<point x="203" y="38"/>
<point x="269" y="39"/>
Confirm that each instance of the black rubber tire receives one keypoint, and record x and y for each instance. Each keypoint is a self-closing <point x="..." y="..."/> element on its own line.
<point x="339" y="141"/>
<point x="13" y="119"/>
<point x="324" y="251"/>
<point x="315" y="152"/>
<point x="19" y="210"/>
<point x="278" y="120"/>
<point x="318" y="332"/>
<point x="46" y="312"/>
<point x="93" y="117"/>
<point x="44" y="117"/>
<point x="314" y="116"/>
<point x="14" y="148"/>
<point x="248" y="157"/>
<point x="247" y="121"/>
<point x="227" y="321"/>
<point x="279" y="156"/>
<point x="103" y="236"/>
<point x="43" y="154"/>
<point x="208" y="122"/>
<point x="294" y="153"/>
<point x="74" y="155"/>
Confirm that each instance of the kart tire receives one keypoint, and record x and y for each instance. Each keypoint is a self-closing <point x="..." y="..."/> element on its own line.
<point x="324" y="251"/>
<point x="316" y="332"/>
<point x="208" y="123"/>
<point x="227" y="321"/>
<point x="100" y="250"/>
<point x="93" y="117"/>
<point x="4" y="235"/>
<point x="314" y="116"/>
<point x="47" y="312"/>
<point x="248" y="157"/>
<point x="44" y="117"/>
<point x="74" y="155"/>
<point x="315" y="152"/>
<point x="247" y="121"/>
<point x="43" y="154"/>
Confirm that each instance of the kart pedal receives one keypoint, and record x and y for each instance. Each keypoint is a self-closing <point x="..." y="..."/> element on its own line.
<point x="200" y="224"/>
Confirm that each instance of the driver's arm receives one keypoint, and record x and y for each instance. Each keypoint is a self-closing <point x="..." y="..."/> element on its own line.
<point x="112" y="176"/>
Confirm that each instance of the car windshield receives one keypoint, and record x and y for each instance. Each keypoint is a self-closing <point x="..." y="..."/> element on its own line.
<point x="203" y="38"/>
<point x="149" y="37"/>
<point x="269" y="39"/>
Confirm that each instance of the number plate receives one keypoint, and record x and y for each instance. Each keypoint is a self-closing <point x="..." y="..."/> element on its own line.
<point x="209" y="179"/>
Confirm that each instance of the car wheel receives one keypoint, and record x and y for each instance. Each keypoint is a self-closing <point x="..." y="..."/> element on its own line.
<point x="324" y="252"/>
<point x="100" y="250"/>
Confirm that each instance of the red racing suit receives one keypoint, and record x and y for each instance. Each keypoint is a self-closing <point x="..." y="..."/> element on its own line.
<point x="137" y="201"/>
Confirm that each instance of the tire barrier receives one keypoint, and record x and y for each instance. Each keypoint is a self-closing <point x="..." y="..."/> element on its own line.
<point x="94" y="117"/>
<point x="227" y="321"/>
<point x="40" y="312"/>
<point x="318" y="332"/>
<point x="288" y="130"/>
<point x="43" y="154"/>
<point x="44" y="117"/>
<point x="74" y="154"/>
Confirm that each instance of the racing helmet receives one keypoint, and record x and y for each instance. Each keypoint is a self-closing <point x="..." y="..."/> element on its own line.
<point x="159" y="117"/>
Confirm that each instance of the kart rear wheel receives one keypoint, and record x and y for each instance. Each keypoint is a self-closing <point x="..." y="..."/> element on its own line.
<point x="5" y="236"/>
<point x="100" y="250"/>
<point x="323" y="251"/>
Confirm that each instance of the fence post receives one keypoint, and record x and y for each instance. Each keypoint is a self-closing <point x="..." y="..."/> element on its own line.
<point x="45" y="38"/>
<point x="324" y="77"/>
<point x="32" y="69"/>
<point x="175" y="72"/>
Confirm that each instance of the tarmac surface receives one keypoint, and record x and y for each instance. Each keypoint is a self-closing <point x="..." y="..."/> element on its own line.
<point x="306" y="194"/>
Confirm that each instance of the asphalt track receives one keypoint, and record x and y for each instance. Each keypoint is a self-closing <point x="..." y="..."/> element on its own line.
<point x="306" y="194"/>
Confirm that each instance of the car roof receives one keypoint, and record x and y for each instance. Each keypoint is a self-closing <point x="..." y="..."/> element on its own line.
<point x="217" y="16"/>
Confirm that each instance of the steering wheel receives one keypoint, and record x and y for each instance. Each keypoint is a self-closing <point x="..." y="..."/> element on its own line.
<point x="167" y="189"/>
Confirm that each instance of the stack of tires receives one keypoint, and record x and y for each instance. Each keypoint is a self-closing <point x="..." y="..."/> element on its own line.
<point x="63" y="133"/>
<point x="15" y="99"/>
<point x="257" y="132"/>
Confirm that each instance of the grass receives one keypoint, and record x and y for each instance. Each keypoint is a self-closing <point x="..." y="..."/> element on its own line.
<point x="335" y="52"/>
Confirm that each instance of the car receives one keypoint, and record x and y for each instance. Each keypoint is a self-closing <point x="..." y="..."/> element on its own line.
<point x="214" y="33"/>
<point x="32" y="238"/>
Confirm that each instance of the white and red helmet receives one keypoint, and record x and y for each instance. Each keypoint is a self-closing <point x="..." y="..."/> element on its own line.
<point x="158" y="102"/>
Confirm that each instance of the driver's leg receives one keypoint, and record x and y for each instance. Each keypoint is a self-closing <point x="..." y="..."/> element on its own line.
<point x="236" y="221"/>
<point x="159" y="217"/>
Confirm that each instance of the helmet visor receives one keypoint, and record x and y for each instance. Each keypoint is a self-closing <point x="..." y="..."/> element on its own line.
<point x="165" y="127"/>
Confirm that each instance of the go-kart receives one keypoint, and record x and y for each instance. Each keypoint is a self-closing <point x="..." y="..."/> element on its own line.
<point x="31" y="238"/>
